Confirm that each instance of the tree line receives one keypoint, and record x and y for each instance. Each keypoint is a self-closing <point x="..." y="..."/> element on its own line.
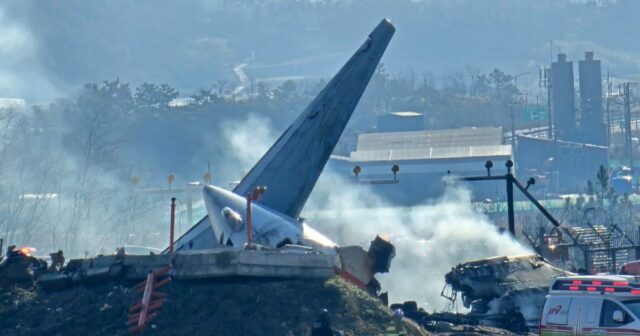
<point x="72" y="170"/>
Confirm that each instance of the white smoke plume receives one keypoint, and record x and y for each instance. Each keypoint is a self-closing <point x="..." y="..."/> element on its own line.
<point x="248" y="140"/>
<point x="429" y="239"/>
<point x="21" y="74"/>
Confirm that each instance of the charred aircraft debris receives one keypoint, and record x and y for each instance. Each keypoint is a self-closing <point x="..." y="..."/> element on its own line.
<point x="503" y="290"/>
<point x="19" y="266"/>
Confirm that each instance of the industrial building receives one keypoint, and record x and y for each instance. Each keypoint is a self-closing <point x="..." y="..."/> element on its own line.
<point x="579" y="145"/>
<point x="423" y="158"/>
<point x="563" y="160"/>
<point x="566" y="165"/>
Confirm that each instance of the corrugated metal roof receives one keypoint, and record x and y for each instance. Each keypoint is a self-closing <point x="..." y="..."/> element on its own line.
<point x="462" y="137"/>
<point x="430" y="153"/>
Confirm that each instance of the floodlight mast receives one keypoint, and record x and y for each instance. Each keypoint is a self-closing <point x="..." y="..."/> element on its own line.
<point x="510" y="182"/>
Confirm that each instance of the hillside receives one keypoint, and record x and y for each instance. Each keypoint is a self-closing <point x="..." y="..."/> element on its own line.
<point x="229" y="307"/>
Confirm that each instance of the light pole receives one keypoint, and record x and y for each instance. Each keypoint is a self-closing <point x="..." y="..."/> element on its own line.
<point x="511" y="181"/>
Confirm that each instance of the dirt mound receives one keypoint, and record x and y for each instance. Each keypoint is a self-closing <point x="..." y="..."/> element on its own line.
<point x="98" y="310"/>
<point x="222" y="307"/>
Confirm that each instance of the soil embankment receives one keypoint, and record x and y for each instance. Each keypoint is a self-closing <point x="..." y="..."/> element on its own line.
<point x="222" y="308"/>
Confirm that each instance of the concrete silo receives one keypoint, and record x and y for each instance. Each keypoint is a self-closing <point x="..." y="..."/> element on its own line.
<point x="564" y="115"/>
<point x="592" y="126"/>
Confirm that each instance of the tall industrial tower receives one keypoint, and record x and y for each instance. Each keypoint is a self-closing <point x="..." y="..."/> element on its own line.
<point x="592" y="126"/>
<point x="564" y="115"/>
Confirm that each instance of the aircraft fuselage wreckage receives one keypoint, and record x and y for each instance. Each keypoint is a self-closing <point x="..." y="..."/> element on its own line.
<point x="289" y="171"/>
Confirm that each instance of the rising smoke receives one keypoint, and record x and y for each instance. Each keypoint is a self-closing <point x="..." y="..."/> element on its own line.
<point x="21" y="73"/>
<point x="248" y="140"/>
<point x="430" y="239"/>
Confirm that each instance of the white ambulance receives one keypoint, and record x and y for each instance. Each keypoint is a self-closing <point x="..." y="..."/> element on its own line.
<point x="592" y="305"/>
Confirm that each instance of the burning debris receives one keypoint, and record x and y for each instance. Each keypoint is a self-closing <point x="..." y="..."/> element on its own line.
<point x="20" y="267"/>
<point x="352" y="263"/>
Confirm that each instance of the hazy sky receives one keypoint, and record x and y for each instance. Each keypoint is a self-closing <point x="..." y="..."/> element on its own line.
<point x="49" y="48"/>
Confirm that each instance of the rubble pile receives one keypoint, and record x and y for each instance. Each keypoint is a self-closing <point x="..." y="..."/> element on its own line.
<point x="93" y="297"/>
<point x="446" y="323"/>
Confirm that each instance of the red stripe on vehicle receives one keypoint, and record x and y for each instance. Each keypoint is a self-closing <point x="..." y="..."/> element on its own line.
<point x="615" y="330"/>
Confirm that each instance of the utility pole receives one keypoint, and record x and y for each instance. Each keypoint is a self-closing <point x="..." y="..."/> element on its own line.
<point x="608" y="102"/>
<point x="510" y="210"/>
<point x="545" y="82"/>
<point x="172" y="225"/>
<point x="515" y="104"/>
<point x="626" y="92"/>
<point x="513" y="132"/>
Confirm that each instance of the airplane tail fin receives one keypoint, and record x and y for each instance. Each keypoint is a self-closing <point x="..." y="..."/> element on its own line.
<point x="291" y="167"/>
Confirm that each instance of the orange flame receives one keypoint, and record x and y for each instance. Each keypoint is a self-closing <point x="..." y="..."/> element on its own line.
<point x="26" y="250"/>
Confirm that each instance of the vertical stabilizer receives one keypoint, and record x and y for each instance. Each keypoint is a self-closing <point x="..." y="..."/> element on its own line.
<point x="291" y="167"/>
